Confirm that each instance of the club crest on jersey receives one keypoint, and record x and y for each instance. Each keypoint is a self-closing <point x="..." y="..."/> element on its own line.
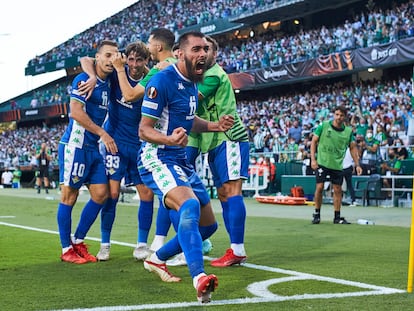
<point x="152" y="92"/>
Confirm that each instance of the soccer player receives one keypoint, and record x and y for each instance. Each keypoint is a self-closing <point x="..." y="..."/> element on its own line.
<point x="159" y="45"/>
<point x="329" y="143"/>
<point x="79" y="159"/>
<point x="122" y="124"/>
<point x="228" y="154"/>
<point x="168" y="114"/>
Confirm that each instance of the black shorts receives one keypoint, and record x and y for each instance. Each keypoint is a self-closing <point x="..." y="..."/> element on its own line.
<point x="326" y="174"/>
<point x="43" y="172"/>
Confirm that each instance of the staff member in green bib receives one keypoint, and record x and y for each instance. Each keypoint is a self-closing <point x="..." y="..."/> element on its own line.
<point x="329" y="143"/>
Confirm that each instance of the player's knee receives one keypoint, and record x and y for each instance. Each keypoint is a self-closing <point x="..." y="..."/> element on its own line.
<point x="189" y="213"/>
<point x="99" y="195"/>
<point x="145" y="193"/>
<point x="232" y="188"/>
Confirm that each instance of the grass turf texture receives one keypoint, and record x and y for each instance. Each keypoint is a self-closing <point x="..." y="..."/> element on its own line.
<point x="33" y="277"/>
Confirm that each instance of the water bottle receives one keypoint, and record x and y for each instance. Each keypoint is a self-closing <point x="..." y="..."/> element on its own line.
<point x="365" y="222"/>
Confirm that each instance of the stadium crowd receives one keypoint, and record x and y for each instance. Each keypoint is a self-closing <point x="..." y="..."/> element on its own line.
<point x="18" y="146"/>
<point x="377" y="25"/>
<point x="280" y="125"/>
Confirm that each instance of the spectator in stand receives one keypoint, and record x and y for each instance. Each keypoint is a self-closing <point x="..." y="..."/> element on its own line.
<point x="370" y="153"/>
<point x="6" y="178"/>
<point x="381" y="137"/>
<point x="390" y="167"/>
<point x="292" y="149"/>
<point x="259" y="140"/>
<point x="360" y="125"/>
<point x="295" y="131"/>
<point x="276" y="146"/>
<point x="400" y="151"/>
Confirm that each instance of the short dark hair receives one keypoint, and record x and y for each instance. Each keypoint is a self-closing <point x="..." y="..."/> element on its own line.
<point x="183" y="39"/>
<point x="175" y="46"/>
<point x="139" y="48"/>
<point x="213" y="42"/>
<point x="341" y="109"/>
<point x="106" y="42"/>
<point x="164" y="35"/>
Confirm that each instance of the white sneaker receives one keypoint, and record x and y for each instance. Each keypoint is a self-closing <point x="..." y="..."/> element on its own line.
<point x="103" y="254"/>
<point x="162" y="271"/>
<point x="177" y="260"/>
<point x="141" y="252"/>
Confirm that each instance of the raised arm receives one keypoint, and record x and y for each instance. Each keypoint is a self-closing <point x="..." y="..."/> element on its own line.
<point x="129" y="93"/>
<point x="200" y="125"/>
<point x="88" y="66"/>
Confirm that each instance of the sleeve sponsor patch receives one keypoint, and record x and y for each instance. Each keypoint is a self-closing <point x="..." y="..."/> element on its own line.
<point x="149" y="104"/>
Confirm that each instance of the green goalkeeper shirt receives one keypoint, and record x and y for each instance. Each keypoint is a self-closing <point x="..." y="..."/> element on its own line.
<point x="155" y="70"/>
<point x="219" y="100"/>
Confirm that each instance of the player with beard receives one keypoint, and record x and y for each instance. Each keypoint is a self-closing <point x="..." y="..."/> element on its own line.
<point x="168" y="114"/>
<point x="228" y="154"/>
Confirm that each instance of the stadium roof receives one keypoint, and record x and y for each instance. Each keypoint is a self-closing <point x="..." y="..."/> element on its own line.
<point x="284" y="10"/>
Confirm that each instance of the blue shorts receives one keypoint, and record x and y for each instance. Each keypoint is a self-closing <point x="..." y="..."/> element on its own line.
<point x="192" y="154"/>
<point x="123" y="164"/>
<point x="229" y="161"/>
<point x="166" y="173"/>
<point x="80" y="166"/>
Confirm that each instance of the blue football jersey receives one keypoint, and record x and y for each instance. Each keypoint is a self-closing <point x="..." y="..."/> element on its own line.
<point x="172" y="100"/>
<point x="123" y="117"/>
<point x="96" y="107"/>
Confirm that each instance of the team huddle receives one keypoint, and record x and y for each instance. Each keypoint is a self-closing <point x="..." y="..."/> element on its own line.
<point x="148" y="127"/>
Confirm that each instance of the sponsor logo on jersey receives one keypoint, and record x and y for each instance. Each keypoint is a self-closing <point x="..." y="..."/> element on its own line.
<point x="148" y="104"/>
<point x="152" y="92"/>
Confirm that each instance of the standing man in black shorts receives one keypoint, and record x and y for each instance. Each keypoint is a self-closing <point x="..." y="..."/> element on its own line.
<point x="329" y="143"/>
<point x="43" y="157"/>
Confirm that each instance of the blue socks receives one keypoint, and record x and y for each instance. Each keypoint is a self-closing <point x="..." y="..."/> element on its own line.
<point x="207" y="231"/>
<point x="64" y="220"/>
<point x="88" y="217"/>
<point x="225" y="208"/>
<point x="237" y="219"/>
<point x="189" y="238"/>
<point x="107" y="219"/>
<point x="163" y="220"/>
<point x="145" y="213"/>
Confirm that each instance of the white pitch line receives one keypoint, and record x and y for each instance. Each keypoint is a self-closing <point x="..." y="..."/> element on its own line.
<point x="259" y="289"/>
